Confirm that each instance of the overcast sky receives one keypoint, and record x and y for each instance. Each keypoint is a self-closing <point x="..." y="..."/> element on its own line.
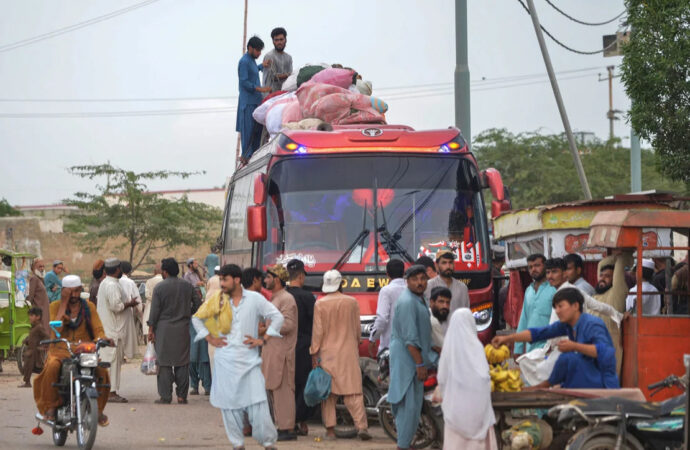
<point x="172" y="49"/>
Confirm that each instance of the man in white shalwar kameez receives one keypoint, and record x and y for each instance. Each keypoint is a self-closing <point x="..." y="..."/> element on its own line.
<point x="239" y="386"/>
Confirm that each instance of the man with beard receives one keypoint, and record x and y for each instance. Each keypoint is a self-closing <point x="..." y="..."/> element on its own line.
<point x="445" y="261"/>
<point x="613" y="289"/>
<point x="38" y="296"/>
<point x="534" y="365"/>
<point x="250" y="97"/>
<point x="439" y="304"/>
<point x="278" y="355"/>
<point x="410" y="355"/>
<point x="230" y="322"/>
<point x="281" y="63"/>
<point x="305" y="311"/>
<point x="80" y="323"/>
<point x="113" y="309"/>
<point x="98" y="273"/>
<point x="536" y="308"/>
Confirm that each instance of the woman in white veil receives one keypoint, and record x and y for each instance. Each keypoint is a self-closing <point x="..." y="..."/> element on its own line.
<point x="465" y="387"/>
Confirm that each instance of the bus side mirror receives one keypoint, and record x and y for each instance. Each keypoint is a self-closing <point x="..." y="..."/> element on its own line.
<point x="259" y="188"/>
<point x="256" y="223"/>
<point x="493" y="180"/>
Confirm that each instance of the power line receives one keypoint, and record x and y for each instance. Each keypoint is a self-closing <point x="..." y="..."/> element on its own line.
<point x="553" y="38"/>
<point x="74" y="27"/>
<point x="94" y="114"/>
<point x="108" y="100"/>
<point x="582" y="22"/>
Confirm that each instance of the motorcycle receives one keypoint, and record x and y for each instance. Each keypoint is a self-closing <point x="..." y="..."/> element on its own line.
<point x="77" y="387"/>
<point x="430" y="428"/>
<point x="616" y="423"/>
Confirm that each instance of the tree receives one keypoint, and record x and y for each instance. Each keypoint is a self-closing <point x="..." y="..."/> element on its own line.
<point x="124" y="209"/>
<point x="656" y="74"/>
<point x="7" y="210"/>
<point x="538" y="169"/>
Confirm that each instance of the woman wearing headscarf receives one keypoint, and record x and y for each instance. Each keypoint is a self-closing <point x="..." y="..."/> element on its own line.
<point x="463" y="380"/>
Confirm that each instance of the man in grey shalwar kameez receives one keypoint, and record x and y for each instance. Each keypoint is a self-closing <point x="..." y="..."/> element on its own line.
<point x="281" y="62"/>
<point x="239" y="387"/>
<point x="171" y="311"/>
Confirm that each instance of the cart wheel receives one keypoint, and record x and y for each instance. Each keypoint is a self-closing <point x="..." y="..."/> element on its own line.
<point x="20" y="357"/>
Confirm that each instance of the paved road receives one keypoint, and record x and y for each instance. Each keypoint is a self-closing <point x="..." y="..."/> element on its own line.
<point x="141" y="424"/>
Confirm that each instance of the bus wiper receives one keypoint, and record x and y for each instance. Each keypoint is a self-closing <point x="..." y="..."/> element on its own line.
<point x="421" y="206"/>
<point x="358" y="240"/>
<point x="390" y="242"/>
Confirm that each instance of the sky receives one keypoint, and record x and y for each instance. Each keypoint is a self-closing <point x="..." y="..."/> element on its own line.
<point x="139" y="69"/>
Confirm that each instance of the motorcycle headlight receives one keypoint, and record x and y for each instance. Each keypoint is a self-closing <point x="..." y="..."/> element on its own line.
<point x="88" y="359"/>
<point x="483" y="318"/>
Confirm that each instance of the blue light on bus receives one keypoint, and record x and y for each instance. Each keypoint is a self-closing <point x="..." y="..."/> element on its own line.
<point x="301" y="149"/>
<point x="444" y="149"/>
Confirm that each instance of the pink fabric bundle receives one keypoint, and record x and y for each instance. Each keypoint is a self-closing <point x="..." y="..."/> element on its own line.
<point x="292" y="112"/>
<point x="335" y="105"/>
<point x="336" y="77"/>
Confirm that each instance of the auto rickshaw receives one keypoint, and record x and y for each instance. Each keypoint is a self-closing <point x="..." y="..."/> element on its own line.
<point x="653" y="345"/>
<point x="14" y="310"/>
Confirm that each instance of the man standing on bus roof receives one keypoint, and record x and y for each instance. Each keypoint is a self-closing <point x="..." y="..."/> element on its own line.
<point x="281" y="62"/>
<point x="445" y="262"/>
<point x="305" y="320"/>
<point x="250" y="97"/>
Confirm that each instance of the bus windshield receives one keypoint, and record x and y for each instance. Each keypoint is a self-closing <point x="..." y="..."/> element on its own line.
<point x="355" y="213"/>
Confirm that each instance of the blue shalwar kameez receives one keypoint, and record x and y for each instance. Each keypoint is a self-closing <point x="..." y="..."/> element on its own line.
<point x="411" y="326"/>
<point x="239" y="386"/>
<point x="575" y="370"/>
<point x="249" y="99"/>
<point x="199" y="362"/>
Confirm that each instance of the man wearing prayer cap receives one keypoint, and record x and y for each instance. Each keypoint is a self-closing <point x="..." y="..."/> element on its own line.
<point x="278" y="355"/>
<point x="410" y="354"/>
<point x="80" y="322"/>
<point x="113" y="306"/>
<point x="52" y="280"/>
<point x="651" y="300"/>
<point x="335" y="347"/>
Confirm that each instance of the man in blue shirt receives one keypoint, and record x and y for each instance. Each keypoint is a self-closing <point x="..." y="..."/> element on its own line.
<point x="250" y="97"/>
<point x="52" y="281"/>
<point x="410" y="355"/>
<point x="588" y="358"/>
<point x="536" y="308"/>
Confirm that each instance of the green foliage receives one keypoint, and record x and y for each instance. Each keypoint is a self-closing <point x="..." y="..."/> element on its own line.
<point x="7" y="210"/>
<point x="656" y="74"/>
<point x="123" y="208"/>
<point x="538" y="169"/>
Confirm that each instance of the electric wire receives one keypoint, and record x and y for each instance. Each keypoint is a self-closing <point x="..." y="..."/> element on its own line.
<point x="582" y="22"/>
<point x="74" y="27"/>
<point x="570" y="49"/>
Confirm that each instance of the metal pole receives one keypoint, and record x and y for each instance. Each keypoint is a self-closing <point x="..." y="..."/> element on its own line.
<point x="635" y="162"/>
<point x="559" y="101"/>
<point x="610" y="115"/>
<point x="462" y="72"/>
<point x="244" y="45"/>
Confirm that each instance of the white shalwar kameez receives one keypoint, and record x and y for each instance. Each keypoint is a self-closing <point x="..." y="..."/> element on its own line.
<point x="238" y="384"/>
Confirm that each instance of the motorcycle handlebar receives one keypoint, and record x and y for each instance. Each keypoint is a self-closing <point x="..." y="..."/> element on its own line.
<point x="668" y="381"/>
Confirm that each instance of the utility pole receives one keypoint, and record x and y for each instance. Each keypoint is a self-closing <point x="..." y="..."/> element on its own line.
<point x="462" y="72"/>
<point x="611" y="113"/>
<point x="559" y="101"/>
<point x="244" y="45"/>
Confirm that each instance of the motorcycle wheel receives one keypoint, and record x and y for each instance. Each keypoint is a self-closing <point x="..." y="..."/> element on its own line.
<point x="59" y="437"/>
<point x="427" y="431"/>
<point x="601" y="438"/>
<point x="86" y="432"/>
<point x="387" y="421"/>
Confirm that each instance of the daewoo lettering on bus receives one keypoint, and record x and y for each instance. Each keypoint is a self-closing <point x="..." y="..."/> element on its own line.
<point x="355" y="197"/>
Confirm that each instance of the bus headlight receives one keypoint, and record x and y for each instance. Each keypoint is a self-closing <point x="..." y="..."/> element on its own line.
<point x="88" y="359"/>
<point x="483" y="318"/>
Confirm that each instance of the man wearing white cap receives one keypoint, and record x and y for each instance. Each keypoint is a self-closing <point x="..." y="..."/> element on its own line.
<point x="335" y="347"/>
<point x="113" y="307"/>
<point x="651" y="300"/>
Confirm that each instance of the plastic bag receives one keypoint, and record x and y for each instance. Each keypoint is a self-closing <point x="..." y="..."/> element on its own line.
<point x="318" y="387"/>
<point x="149" y="365"/>
<point x="290" y="83"/>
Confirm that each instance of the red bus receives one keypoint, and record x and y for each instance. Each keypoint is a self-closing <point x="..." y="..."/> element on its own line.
<point x="352" y="198"/>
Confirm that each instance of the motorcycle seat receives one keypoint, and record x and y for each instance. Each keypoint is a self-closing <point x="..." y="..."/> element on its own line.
<point x="632" y="408"/>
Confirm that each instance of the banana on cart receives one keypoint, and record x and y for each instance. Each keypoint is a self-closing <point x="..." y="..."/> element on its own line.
<point x="503" y="379"/>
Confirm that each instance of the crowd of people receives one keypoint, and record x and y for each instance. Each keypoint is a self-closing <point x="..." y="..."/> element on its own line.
<point x="269" y="332"/>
